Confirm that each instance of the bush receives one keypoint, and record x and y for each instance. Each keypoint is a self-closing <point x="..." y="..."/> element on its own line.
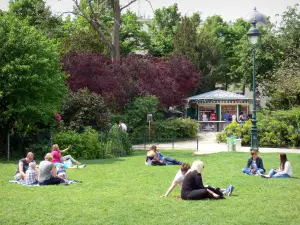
<point x="84" y="108"/>
<point x="275" y="129"/>
<point x="90" y="145"/>
<point x="168" y="129"/>
<point x="136" y="111"/>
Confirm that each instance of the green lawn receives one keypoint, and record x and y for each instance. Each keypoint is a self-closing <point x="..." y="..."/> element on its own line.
<point x="125" y="191"/>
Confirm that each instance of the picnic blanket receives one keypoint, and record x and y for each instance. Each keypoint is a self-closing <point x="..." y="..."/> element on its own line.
<point x="34" y="185"/>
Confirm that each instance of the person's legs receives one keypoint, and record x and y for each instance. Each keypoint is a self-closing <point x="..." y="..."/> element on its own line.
<point x="171" y="161"/>
<point x="52" y="180"/>
<point x="218" y="191"/>
<point x="272" y="173"/>
<point x="259" y="171"/>
<point x="281" y="176"/>
<point x="198" y="194"/>
<point x="67" y="157"/>
<point x="17" y="177"/>
<point x="246" y="171"/>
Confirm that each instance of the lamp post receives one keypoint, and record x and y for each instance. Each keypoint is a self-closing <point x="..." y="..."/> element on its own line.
<point x="253" y="37"/>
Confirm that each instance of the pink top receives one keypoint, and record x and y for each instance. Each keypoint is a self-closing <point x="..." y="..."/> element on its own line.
<point x="56" y="156"/>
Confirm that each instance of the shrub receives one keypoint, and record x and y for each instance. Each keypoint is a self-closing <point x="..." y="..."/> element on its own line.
<point x="90" y="145"/>
<point x="275" y="129"/>
<point x="84" y="145"/>
<point x="84" y="108"/>
<point x="136" y="111"/>
<point x="168" y="129"/>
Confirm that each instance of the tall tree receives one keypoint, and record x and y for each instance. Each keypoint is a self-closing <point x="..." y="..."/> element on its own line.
<point x="283" y="82"/>
<point x="38" y="15"/>
<point x="31" y="80"/>
<point x="95" y="11"/>
<point x="202" y="47"/>
<point x="163" y="29"/>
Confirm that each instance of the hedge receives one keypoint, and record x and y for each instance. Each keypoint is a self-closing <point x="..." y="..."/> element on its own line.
<point x="275" y="129"/>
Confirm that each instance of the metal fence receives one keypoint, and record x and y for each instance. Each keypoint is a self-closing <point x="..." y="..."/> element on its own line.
<point x="166" y="143"/>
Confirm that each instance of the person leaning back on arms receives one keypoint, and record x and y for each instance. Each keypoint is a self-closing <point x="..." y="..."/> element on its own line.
<point x="23" y="165"/>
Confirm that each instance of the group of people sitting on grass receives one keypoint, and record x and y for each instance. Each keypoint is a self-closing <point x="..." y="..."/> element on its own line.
<point x="255" y="166"/>
<point x="52" y="170"/>
<point x="189" y="178"/>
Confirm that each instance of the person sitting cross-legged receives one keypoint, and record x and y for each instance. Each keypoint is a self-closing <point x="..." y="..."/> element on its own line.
<point x="255" y="165"/>
<point x="47" y="172"/>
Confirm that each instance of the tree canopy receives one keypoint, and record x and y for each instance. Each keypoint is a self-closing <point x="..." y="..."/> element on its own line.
<point x="31" y="80"/>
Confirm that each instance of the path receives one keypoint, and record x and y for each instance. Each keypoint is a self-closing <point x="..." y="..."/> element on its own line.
<point x="207" y="144"/>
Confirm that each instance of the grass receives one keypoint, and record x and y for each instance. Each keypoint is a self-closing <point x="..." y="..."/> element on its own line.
<point x="125" y="191"/>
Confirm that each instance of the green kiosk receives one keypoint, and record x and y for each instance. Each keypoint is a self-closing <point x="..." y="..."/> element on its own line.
<point x="209" y="108"/>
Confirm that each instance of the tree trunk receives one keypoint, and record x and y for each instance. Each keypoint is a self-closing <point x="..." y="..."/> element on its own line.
<point x="116" y="31"/>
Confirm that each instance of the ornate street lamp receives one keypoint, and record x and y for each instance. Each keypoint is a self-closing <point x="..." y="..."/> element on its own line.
<point x="253" y="38"/>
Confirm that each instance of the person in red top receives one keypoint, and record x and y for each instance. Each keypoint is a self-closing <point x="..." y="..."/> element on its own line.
<point x="57" y="158"/>
<point x="213" y="116"/>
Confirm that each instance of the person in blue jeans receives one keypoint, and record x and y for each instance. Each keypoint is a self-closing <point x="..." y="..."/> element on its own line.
<point x="159" y="159"/>
<point x="285" y="170"/>
<point x="255" y="165"/>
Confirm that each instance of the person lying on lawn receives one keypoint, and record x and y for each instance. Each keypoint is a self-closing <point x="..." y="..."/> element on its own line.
<point x="255" y="165"/>
<point x="159" y="159"/>
<point x="178" y="180"/>
<point x="193" y="188"/>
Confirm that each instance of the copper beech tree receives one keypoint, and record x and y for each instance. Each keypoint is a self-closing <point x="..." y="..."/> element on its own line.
<point x="170" y="80"/>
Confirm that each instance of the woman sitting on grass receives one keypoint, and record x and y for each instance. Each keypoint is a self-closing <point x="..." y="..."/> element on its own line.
<point x="284" y="171"/>
<point x="178" y="180"/>
<point x="193" y="188"/>
<point x="57" y="158"/>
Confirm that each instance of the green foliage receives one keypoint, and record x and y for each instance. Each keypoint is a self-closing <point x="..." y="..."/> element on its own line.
<point x="85" y="145"/>
<point x="203" y="47"/>
<point x="132" y="35"/>
<point x="37" y="14"/>
<point x="162" y="30"/>
<point x="90" y="145"/>
<point x="84" y="108"/>
<point x="167" y="129"/>
<point x="31" y="81"/>
<point x="83" y="40"/>
<point x="237" y="130"/>
<point x="115" y="119"/>
<point x="136" y="111"/>
<point x="284" y="82"/>
<point x="275" y="129"/>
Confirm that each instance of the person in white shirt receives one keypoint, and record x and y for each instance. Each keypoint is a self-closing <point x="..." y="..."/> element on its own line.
<point x="122" y="126"/>
<point x="285" y="170"/>
<point x="178" y="180"/>
<point x="233" y="118"/>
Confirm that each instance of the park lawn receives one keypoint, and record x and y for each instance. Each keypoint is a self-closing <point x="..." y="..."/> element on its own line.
<point x="125" y="191"/>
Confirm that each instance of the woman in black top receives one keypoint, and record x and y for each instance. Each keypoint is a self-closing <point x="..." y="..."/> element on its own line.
<point x="193" y="188"/>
